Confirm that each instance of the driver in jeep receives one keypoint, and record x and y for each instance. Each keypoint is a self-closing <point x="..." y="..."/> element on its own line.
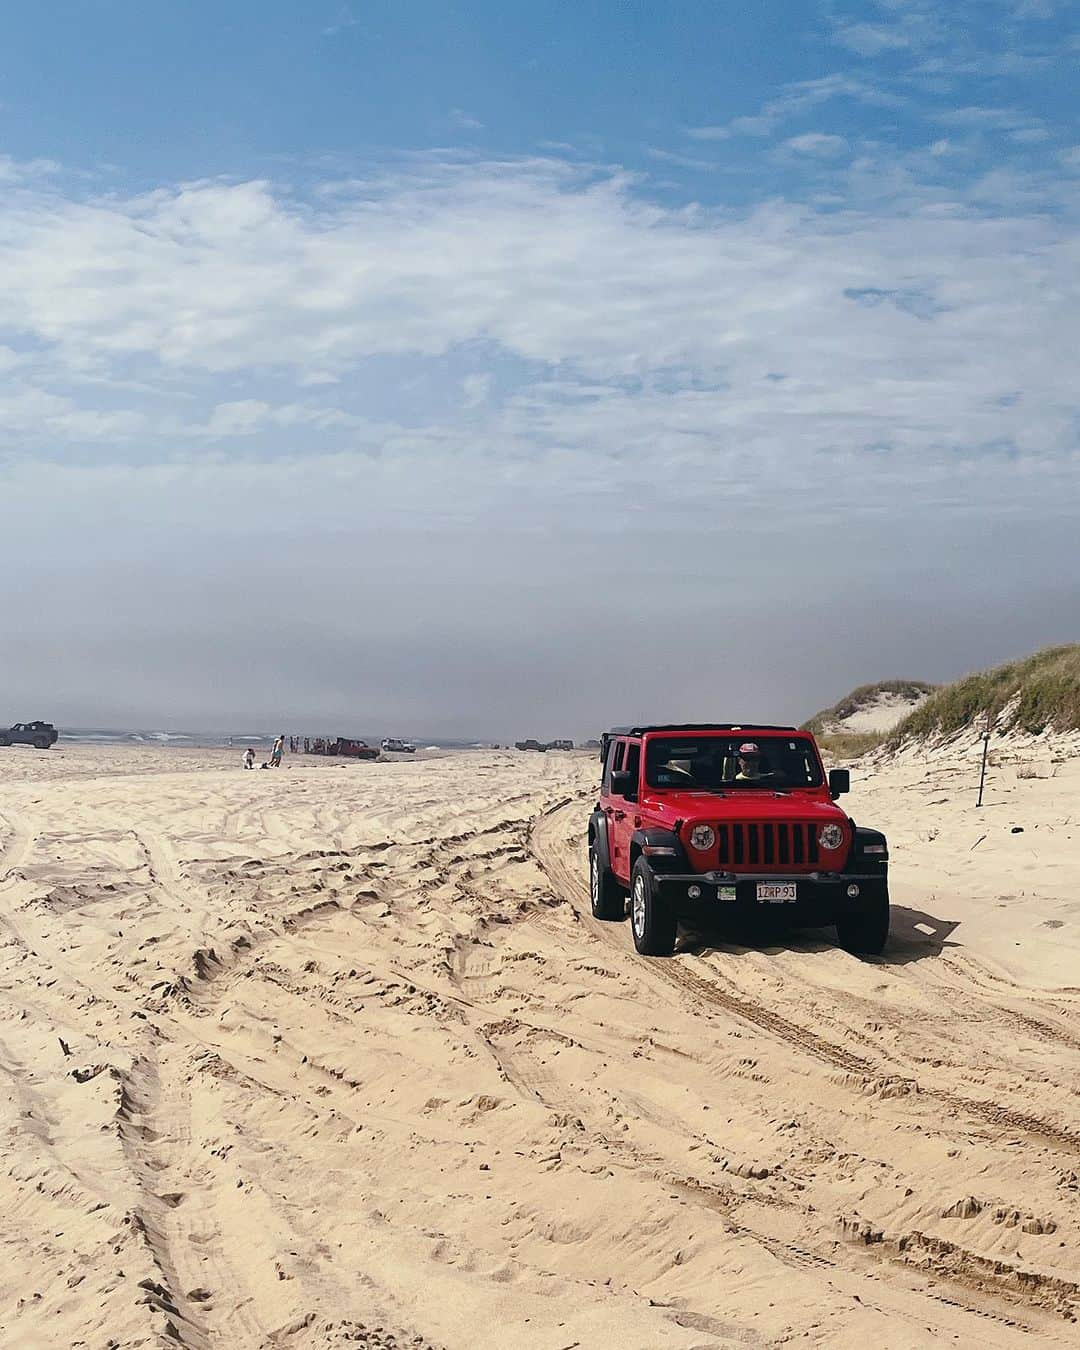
<point x="751" y="767"/>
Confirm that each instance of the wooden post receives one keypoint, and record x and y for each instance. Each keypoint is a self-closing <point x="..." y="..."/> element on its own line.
<point x="986" y="746"/>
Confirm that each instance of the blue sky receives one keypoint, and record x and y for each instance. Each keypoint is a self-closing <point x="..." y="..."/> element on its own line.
<point x="184" y="91"/>
<point x="500" y="330"/>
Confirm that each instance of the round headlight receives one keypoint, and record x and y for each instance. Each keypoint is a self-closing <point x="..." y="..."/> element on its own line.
<point x="702" y="837"/>
<point x="831" y="836"/>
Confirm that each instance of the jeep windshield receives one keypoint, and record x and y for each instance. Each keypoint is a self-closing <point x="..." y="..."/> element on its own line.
<point x="713" y="763"/>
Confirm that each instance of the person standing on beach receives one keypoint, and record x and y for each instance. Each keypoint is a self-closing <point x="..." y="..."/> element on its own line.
<point x="276" y="752"/>
<point x="249" y="758"/>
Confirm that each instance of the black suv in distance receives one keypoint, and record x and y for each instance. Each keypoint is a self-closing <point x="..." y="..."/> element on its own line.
<point x="41" y="735"/>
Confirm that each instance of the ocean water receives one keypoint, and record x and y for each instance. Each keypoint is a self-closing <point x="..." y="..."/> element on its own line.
<point x="107" y="736"/>
<point x="235" y="739"/>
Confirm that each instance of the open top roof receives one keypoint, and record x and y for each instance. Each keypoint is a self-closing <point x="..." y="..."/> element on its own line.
<point x="696" y="726"/>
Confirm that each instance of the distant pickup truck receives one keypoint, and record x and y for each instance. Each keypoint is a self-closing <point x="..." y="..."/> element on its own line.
<point x="544" y="745"/>
<point x="393" y="746"/>
<point x="41" y="735"/>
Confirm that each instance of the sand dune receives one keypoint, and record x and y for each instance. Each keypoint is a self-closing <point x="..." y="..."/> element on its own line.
<point x="336" y="1056"/>
<point x="880" y="714"/>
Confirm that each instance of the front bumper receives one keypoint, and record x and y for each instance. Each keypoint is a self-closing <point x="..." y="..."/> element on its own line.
<point x="819" y="896"/>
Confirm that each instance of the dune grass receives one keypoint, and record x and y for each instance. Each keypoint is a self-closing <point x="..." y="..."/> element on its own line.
<point x="1046" y="687"/>
<point x="840" y="745"/>
<point x="859" y="698"/>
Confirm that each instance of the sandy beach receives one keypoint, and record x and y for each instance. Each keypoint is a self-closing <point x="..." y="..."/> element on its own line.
<point x="335" y="1055"/>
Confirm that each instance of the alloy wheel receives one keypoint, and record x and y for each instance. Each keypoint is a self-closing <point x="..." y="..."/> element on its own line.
<point x="638" y="907"/>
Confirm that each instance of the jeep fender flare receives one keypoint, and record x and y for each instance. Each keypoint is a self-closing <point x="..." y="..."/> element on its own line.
<point x="858" y="861"/>
<point x="598" y="835"/>
<point x="658" y="838"/>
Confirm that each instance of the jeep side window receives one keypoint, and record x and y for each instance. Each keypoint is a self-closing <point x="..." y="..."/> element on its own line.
<point x="626" y="760"/>
<point x="615" y="750"/>
<point x="633" y="765"/>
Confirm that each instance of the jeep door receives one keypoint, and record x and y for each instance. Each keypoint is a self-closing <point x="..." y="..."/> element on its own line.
<point x="621" y="821"/>
<point x="608" y="803"/>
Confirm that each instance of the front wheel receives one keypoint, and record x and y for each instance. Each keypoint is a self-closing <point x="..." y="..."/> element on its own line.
<point x="652" y="921"/>
<point x="606" y="896"/>
<point x="5" y="740"/>
<point x="865" y="930"/>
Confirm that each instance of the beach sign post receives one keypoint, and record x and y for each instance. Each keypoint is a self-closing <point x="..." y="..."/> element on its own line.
<point x="986" y="744"/>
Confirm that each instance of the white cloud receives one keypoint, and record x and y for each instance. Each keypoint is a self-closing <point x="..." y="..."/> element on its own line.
<point x="465" y="121"/>
<point x="682" y="161"/>
<point x="795" y="99"/>
<point x="871" y="39"/>
<point x="242" y="418"/>
<point x="816" y="143"/>
<point x="902" y="26"/>
<point x="988" y="119"/>
<point x="266" y="427"/>
<point x="761" y="125"/>
<point x="245" y="417"/>
<point x="31" y="415"/>
<point x="1037" y="9"/>
<point x="26" y="170"/>
<point x="1071" y="157"/>
<point x="346" y="19"/>
<point x="476" y="389"/>
<point x="618" y="329"/>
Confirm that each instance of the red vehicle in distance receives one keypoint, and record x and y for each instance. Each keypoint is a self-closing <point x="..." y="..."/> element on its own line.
<point x="353" y="749"/>
<point x="695" y="821"/>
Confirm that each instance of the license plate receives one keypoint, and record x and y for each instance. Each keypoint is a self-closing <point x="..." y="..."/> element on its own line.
<point x="776" y="892"/>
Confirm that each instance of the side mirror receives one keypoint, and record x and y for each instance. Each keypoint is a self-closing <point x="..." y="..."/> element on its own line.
<point x="839" y="782"/>
<point x="623" y="783"/>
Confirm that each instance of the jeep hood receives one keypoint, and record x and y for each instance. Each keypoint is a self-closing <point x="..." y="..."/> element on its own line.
<point x="750" y="804"/>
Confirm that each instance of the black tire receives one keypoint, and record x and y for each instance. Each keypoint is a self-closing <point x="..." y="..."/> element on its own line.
<point x="606" y="897"/>
<point x="865" y="930"/>
<point x="5" y="740"/>
<point x="41" y="742"/>
<point x="652" y="922"/>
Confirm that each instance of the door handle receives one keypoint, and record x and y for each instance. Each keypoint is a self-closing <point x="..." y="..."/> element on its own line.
<point x="609" y="810"/>
<point x="620" y="815"/>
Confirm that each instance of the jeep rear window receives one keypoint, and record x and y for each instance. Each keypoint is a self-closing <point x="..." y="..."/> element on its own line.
<point x="713" y="762"/>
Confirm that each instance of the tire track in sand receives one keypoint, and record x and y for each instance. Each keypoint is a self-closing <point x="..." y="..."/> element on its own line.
<point x="15" y="847"/>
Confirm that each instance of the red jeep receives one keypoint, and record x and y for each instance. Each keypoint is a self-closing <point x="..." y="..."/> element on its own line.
<point x="700" y="820"/>
<point x="354" y="749"/>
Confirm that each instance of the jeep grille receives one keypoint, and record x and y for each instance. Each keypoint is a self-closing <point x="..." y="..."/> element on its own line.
<point x="781" y="843"/>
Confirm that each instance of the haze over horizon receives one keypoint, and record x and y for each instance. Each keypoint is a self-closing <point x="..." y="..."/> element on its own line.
<point x="485" y="374"/>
